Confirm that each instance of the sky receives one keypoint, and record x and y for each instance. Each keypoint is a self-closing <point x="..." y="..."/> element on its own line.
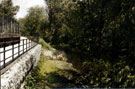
<point x="25" y="5"/>
<point x="0" y="1"/>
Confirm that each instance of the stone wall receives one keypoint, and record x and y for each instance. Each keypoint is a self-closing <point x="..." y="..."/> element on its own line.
<point x="14" y="76"/>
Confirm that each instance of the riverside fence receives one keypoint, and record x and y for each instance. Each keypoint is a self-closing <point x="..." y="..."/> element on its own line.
<point x="8" y="54"/>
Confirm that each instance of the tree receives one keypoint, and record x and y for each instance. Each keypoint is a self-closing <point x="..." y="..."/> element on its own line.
<point x="35" y="22"/>
<point x="94" y="26"/>
<point x="7" y="9"/>
<point x="104" y="30"/>
<point x="57" y="13"/>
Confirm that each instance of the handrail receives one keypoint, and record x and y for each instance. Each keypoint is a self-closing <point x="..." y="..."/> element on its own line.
<point x="23" y="46"/>
<point x="9" y="35"/>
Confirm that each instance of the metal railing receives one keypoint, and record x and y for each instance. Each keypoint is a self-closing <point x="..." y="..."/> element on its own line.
<point x="12" y="52"/>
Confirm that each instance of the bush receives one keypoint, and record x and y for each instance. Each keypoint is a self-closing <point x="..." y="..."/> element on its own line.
<point x="99" y="73"/>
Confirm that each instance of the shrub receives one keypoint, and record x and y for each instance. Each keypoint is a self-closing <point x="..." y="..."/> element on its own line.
<point x="99" y="73"/>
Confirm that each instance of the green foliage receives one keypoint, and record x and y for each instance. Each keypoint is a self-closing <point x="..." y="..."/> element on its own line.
<point x="99" y="73"/>
<point x="35" y="76"/>
<point x="35" y="23"/>
<point x="95" y="27"/>
<point x="50" y="74"/>
<point x="31" y="79"/>
<point x="101" y="30"/>
<point x="58" y="30"/>
<point x="45" y="45"/>
<point x="7" y="9"/>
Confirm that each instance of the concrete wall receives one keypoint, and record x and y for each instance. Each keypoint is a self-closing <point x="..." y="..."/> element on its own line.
<point x="14" y="76"/>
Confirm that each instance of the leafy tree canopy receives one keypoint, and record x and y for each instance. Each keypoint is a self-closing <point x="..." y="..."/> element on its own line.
<point x="34" y="23"/>
<point x="7" y="9"/>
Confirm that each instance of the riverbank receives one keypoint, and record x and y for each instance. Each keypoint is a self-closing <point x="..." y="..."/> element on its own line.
<point x="52" y="71"/>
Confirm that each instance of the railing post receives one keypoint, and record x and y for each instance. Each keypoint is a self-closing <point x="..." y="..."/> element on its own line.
<point x="18" y="49"/>
<point x="26" y="44"/>
<point x="4" y="54"/>
<point x="29" y="43"/>
<point x="13" y="50"/>
<point x="23" y="45"/>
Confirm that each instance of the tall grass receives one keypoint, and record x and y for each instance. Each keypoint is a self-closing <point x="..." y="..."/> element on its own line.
<point x="45" y="45"/>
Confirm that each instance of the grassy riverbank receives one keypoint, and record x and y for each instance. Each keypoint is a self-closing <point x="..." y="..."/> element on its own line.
<point x="50" y="73"/>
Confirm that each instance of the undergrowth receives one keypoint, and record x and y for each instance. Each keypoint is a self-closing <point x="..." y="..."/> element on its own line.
<point x="50" y="74"/>
<point x="103" y="74"/>
<point x="45" y="45"/>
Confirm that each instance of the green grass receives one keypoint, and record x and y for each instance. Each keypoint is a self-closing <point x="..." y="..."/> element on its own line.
<point x="50" y="74"/>
<point x="45" y="45"/>
<point x="46" y="66"/>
